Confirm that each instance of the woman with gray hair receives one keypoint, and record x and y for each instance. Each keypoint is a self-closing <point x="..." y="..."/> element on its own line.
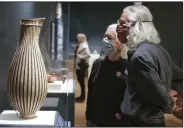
<point x="106" y="84"/>
<point x="111" y="43"/>
<point x="149" y="74"/>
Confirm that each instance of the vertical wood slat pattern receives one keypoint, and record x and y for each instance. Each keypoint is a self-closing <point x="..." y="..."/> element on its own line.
<point x="27" y="80"/>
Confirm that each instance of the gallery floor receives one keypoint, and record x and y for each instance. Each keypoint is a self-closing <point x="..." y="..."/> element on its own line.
<point x="80" y="109"/>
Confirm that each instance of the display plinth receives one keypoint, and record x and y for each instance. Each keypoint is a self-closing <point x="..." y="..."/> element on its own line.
<point x="67" y="87"/>
<point x="65" y="105"/>
<point x="10" y="118"/>
<point x="57" y="85"/>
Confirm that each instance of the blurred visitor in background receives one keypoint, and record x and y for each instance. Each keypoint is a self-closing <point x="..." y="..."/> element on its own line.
<point x="82" y="55"/>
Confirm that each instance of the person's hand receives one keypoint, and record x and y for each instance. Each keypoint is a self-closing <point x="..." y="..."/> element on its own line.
<point x="171" y="121"/>
<point x="117" y="44"/>
<point x="172" y="92"/>
<point x="178" y="108"/>
<point x="88" y="123"/>
<point x="118" y="116"/>
<point x="115" y="41"/>
<point x="174" y="99"/>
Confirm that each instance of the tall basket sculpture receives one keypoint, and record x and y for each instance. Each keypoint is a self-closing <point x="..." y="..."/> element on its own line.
<point x="27" y="80"/>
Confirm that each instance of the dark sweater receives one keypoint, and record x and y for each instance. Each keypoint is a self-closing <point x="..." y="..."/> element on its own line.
<point x="149" y="78"/>
<point x="105" y="91"/>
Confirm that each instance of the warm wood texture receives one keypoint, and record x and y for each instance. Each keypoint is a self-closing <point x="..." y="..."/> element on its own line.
<point x="172" y="121"/>
<point x="27" y="80"/>
<point x="80" y="108"/>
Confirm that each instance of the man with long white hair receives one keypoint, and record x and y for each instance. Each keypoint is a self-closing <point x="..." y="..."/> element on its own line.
<point x="149" y="74"/>
<point x="106" y="84"/>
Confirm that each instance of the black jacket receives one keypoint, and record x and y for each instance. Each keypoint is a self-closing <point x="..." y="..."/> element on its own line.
<point x="149" y="78"/>
<point x="105" y="91"/>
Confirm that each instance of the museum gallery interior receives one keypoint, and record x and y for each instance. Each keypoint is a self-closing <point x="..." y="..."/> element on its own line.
<point x="42" y="78"/>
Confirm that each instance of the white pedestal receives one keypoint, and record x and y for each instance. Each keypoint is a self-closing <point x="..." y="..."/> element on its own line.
<point x="67" y="87"/>
<point x="57" y="85"/>
<point x="54" y="94"/>
<point x="44" y="118"/>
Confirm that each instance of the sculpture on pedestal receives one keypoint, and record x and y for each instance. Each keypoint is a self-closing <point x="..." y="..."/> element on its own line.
<point x="27" y="80"/>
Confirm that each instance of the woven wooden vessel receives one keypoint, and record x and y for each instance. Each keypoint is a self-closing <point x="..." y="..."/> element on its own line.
<point x="27" y="80"/>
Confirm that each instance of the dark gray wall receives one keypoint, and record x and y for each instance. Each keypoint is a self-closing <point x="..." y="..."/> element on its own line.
<point x="168" y="19"/>
<point x="92" y="18"/>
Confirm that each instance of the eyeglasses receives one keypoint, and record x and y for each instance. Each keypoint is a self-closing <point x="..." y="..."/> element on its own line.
<point x="126" y="23"/>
